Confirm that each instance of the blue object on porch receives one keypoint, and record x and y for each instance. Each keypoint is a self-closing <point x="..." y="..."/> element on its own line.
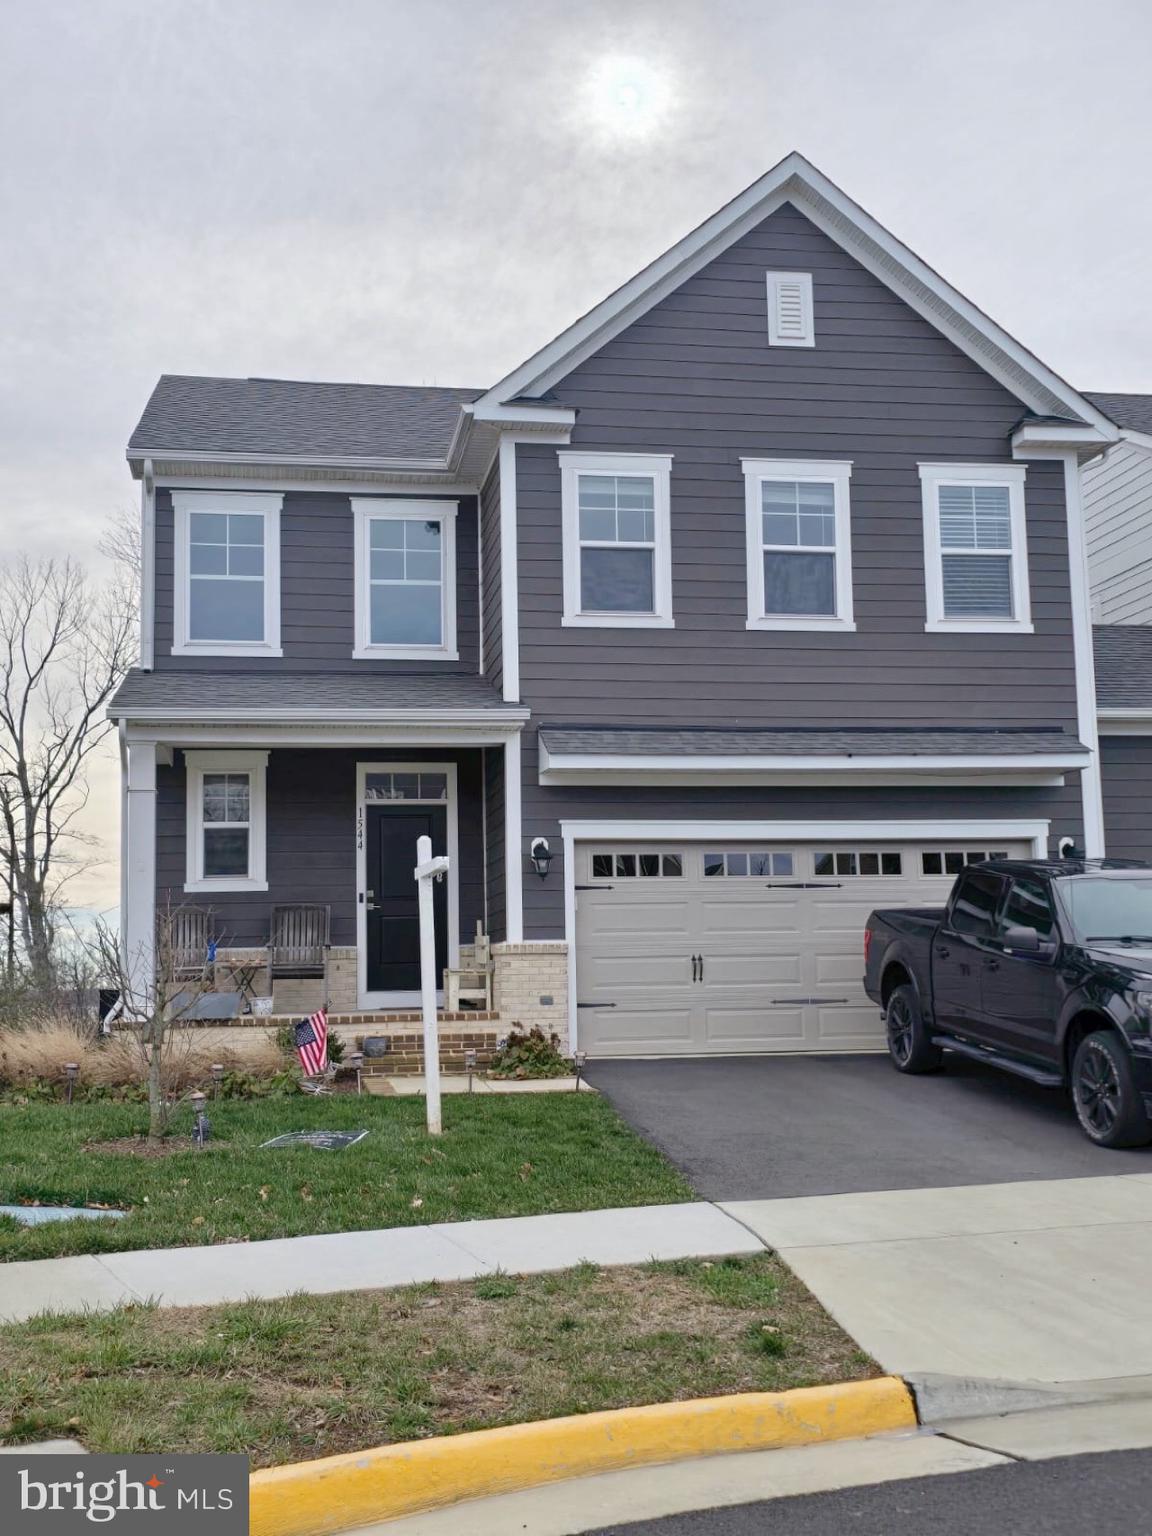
<point x="209" y="1005"/>
<point x="211" y="951"/>
<point x="37" y="1215"/>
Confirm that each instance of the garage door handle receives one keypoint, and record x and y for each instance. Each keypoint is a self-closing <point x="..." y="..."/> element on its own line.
<point x="695" y="967"/>
<point x="700" y="960"/>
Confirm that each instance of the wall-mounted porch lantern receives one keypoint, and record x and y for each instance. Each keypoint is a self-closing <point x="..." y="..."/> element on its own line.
<point x="541" y="856"/>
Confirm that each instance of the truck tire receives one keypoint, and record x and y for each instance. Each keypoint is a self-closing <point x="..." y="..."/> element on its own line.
<point x="1107" y="1102"/>
<point x="910" y="1047"/>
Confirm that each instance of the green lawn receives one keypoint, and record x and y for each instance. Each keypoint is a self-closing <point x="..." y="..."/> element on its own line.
<point x="312" y="1376"/>
<point x="499" y="1156"/>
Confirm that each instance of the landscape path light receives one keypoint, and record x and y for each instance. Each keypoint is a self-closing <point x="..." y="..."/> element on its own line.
<point x="71" y="1073"/>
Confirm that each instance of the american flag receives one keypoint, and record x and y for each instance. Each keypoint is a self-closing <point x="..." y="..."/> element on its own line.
<point x="312" y="1043"/>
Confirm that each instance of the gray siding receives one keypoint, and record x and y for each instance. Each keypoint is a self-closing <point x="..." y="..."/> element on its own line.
<point x="1126" y="772"/>
<point x="311" y="841"/>
<point x="695" y="377"/>
<point x="317" y="592"/>
<point x="493" y="658"/>
<point x="494" y="823"/>
<point x="1118" y="520"/>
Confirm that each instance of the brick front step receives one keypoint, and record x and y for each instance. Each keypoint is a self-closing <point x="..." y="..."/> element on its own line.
<point x="490" y="1021"/>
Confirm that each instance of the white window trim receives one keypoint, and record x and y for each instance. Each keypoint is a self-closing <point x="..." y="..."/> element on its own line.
<point x="364" y="509"/>
<point x="268" y="505"/>
<point x="932" y="477"/>
<point x="659" y="467"/>
<point x="255" y="765"/>
<point x="839" y="472"/>
<point x="775" y="339"/>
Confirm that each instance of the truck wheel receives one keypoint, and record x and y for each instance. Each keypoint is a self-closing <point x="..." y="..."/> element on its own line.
<point x="909" y="1043"/>
<point x="1108" y="1105"/>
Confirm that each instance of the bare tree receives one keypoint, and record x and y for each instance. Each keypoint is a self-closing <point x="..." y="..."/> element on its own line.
<point x="120" y="543"/>
<point x="155" y="1007"/>
<point x="64" y="646"/>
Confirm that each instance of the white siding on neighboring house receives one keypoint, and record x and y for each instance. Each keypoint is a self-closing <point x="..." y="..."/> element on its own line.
<point x="1118" y="520"/>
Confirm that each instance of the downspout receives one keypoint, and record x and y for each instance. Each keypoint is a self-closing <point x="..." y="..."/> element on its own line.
<point x="1091" y="790"/>
<point x="147" y="567"/>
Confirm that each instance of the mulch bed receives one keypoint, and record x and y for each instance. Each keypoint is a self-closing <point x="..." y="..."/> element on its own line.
<point x="140" y="1146"/>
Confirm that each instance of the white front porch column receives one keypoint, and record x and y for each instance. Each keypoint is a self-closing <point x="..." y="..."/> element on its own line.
<point x="138" y="917"/>
<point x="513" y="851"/>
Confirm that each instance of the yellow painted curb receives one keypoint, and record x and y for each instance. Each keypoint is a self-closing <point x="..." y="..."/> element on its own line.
<point x="317" y="1498"/>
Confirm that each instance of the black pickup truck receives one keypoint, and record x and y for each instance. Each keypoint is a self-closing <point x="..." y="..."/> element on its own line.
<point x="1041" y="968"/>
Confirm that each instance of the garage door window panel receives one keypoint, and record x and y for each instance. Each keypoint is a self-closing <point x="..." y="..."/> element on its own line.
<point x="742" y="863"/>
<point x="637" y="866"/>
<point x="952" y="861"/>
<point x="852" y="863"/>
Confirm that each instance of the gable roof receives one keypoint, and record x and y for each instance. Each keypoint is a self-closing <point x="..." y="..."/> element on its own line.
<point x="1131" y="411"/>
<point x="290" y="418"/>
<point x="797" y="181"/>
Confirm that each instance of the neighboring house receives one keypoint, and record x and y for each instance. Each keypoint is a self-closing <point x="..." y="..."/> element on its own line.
<point x="759" y="595"/>
<point x="1118" y="524"/>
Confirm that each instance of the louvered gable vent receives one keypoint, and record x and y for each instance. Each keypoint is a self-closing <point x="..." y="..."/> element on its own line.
<point x="790" y="310"/>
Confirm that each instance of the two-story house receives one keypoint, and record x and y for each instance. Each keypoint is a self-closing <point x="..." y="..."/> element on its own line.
<point x="755" y="599"/>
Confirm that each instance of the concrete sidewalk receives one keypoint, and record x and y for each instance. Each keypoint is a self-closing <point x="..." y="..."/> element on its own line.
<point x="355" y="1261"/>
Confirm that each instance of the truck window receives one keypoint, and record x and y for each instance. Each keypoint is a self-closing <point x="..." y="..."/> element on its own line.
<point x="974" y="902"/>
<point x="1028" y="906"/>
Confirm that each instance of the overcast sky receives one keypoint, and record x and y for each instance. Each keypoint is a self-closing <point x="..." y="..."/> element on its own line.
<point x="425" y="191"/>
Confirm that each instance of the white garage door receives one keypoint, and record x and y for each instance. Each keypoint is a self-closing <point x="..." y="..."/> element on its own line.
<point x="694" y="949"/>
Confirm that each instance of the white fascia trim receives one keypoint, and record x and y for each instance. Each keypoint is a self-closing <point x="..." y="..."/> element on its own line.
<point x="498" y="719"/>
<point x="255" y="765"/>
<point x="975" y="768"/>
<point x="364" y="509"/>
<point x="659" y="467"/>
<point x="1038" y="436"/>
<point x="1125" y="722"/>
<point x="797" y="181"/>
<point x="320" y="460"/>
<point x="257" y="734"/>
<point x="509" y="573"/>
<point x="829" y="829"/>
<point x="268" y="505"/>
<point x="1091" y="786"/>
<point x="932" y="477"/>
<point x="525" y="415"/>
<point x="839" y="472"/>
<point x="367" y="486"/>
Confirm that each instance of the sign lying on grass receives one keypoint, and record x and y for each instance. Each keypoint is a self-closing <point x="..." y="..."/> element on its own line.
<point x="330" y="1141"/>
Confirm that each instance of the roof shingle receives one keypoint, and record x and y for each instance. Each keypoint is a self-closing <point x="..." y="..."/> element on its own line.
<point x="307" y="695"/>
<point x="804" y="741"/>
<point x="1131" y="411"/>
<point x="1123" y="665"/>
<point x="188" y="414"/>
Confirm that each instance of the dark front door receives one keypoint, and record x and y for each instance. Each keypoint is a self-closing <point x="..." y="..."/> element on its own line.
<point x="393" y="920"/>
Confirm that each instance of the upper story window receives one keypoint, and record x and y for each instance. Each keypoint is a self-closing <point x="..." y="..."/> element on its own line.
<point x="790" y="317"/>
<point x="405" y="578"/>
<point x="225" y="821"/>
<point x="799" y="544"/>
<point x="226" y="597"/>
<point x="975" y="548"/>
<point x="617" y="540"/>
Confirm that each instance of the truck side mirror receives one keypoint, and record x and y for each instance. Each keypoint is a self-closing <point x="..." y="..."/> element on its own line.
<point x="1025" y="941"/>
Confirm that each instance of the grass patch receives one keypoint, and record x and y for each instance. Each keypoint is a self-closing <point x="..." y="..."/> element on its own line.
<point x="313" y="1376"/>
<point x="499" y="1156"/>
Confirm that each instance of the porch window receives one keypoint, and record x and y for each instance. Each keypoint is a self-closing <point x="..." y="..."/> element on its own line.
<point x="226" y="592"/>
<point x="405" y="578"/>
<point x="225" y="821"/>
<point x="617" y="542"/>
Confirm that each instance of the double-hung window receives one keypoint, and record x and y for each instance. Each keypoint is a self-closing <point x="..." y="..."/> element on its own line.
<point x="799" y="544"/>
<point x="617" y="540"/>
<point x="405" y="578"/>
<point x="225" y="821"/>
<point x="975" y="548"/>
<point x="226" y="595"/>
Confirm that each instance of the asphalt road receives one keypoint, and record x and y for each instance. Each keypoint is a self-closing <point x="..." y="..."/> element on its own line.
<point x="1072" y="1496"/>
<point x="764" y="1127"/>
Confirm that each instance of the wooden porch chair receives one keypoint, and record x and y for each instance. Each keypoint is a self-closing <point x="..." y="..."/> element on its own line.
<point x="188" y="931"/>
<point x="299" y="941"/>
<point x="471" y="985"/>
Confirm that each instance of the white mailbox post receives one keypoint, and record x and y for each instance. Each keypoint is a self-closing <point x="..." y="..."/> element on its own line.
<point x="427" y="870"/>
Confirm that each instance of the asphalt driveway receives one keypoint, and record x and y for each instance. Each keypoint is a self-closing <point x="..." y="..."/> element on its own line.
<point x="771" y="1127"/>
<point x="957" y="1225"/>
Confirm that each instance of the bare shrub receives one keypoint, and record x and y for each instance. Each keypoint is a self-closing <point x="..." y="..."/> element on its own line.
<point x="39" y="1051"/>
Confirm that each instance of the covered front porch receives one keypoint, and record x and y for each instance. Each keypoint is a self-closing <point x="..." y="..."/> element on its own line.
<point x="317" y="811"/>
